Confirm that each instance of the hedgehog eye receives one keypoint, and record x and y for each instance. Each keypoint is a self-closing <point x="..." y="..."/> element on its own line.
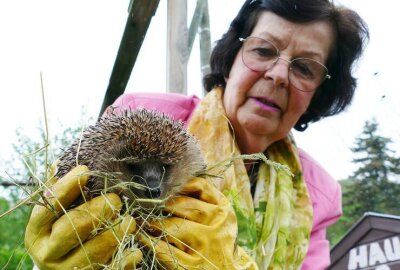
<point x="132" y="167"/>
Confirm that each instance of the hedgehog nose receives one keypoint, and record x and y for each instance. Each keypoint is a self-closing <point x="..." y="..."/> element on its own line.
<point x="153" y="193"/>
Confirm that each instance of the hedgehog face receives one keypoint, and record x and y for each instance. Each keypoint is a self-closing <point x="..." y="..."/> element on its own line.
<point x="134" y="178"/>
<point x="149" y="175"/>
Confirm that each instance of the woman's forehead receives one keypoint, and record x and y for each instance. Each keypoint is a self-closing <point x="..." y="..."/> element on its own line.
<point x="313" y="39"/>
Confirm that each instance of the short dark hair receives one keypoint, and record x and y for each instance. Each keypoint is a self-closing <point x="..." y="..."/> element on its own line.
<point x="351" y="34"/>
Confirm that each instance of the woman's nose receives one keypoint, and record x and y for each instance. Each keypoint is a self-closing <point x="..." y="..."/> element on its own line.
<point x="279" y="72"/>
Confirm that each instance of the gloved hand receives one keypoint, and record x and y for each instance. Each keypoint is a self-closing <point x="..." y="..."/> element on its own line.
<point x="201" y="232"/>
<point x="70" y="241"/>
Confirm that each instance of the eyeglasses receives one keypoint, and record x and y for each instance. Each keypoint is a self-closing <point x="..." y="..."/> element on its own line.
<point x="261" y="55"/>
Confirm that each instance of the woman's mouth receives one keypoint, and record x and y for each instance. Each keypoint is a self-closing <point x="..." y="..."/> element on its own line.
<point x="266" y="104"/>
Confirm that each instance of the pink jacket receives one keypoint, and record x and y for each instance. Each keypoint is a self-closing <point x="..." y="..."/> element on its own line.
<point x="325" y="192"/>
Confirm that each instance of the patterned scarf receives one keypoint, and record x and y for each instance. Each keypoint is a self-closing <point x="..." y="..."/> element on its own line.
<point x="273" y="227"/>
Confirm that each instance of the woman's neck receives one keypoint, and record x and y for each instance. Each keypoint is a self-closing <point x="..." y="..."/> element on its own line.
<point x="249" y="143"/>
<point x="252" y="144"/>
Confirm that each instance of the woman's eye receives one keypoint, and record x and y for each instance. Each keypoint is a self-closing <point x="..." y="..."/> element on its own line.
<point x="265" y="52"/>
<point x="302" y="69"/>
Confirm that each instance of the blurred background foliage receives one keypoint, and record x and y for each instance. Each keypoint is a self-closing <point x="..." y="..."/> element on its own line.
<point x="28" y="162"/>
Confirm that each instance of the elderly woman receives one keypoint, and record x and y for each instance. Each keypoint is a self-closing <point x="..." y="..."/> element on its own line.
<point x="282" y="64"/>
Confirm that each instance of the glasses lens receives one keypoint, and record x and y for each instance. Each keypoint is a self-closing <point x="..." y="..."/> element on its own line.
<point x="259" y="54"/>
<point x="306" y="74"/>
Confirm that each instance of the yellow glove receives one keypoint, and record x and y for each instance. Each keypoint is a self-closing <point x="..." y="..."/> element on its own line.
<point x="201" y="232"/>
<point x="71" y="241"/>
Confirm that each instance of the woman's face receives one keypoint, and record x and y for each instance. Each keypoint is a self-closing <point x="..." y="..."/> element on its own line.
<point x="263" y="106"/>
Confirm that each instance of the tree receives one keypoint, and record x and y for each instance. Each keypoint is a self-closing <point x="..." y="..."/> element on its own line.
<point x="29" y="160"/>
<point x="375" y="185"/>
<point x="376" y="181"/>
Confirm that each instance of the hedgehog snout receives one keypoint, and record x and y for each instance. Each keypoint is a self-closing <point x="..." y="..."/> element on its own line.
<point x="153" y="193"/>
<point x="150" y="174"/>
<point x="153" y="178"/>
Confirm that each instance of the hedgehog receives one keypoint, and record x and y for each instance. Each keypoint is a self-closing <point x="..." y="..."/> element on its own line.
<point x="136" y="154"/>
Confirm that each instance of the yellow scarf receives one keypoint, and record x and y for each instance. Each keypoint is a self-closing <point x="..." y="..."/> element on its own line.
<point x="274" y="227"/>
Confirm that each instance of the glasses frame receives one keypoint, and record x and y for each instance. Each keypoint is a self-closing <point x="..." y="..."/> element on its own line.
<point x="278" y="56"/>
